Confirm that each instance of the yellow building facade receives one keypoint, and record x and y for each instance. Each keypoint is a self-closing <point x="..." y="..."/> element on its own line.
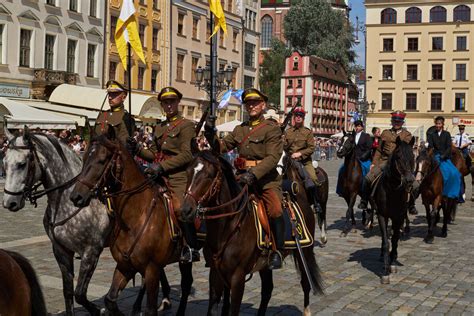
<point x="420" y="59"/>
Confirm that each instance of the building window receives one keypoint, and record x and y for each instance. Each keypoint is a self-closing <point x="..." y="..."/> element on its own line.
<point x="436" y="101"/>
<point x="141" y="33"/>
<point x="125" y="78"/>
<point x="413" y="15"/>
<point x="71" y="56"/>
<point x="437" y="43"/>
<point x="141" y="76"/>
<point x="460" y="71"/>
<point x="91" y="60"/>
<point x="51" y="2"/>
<point x="73" y="5"/>
<point x="142" y="2"/>
<point x="411" y="101"/>
<point x="229" y="5"/>
<point x="249" y="55"/>
<point x="93" y="8"/>
<point x="460" y="102"/>
<point x="248" y="82"/>
<point x="194" y="66"/>
<point x="25" y="41"/>
<point x="195" y="27"/>
<point x="462" y="13"/>
<point x="234" y="40"/>
<point x="113" y="27"/>
<point x="155" y="6"/>
<point x="388" y="44"/>
<point x="387" y="72"/>
<point x="386" y="101"/>
<point x="413" y="44"/>
<point x="49" y="51"/>
<point x="155" y="39"/>
<point x="437" y="72"/>
<point x="2" y="27"/>
<point x="154" y="75"/>
<point x="437" y="14"/>
<point x="208" y="31"/>
<point x="461" y="43"/>
<point x="267" y="31"/>
<point x="299" y="83"/>
<point x="180" y="24"/>
<point x="112" y="70"/>
<point x="412" y="72"/>
<point x="388" y="16"/>
<point x="221" y="39"/>
<point x="179" y="67"/>
<point x="290" y="84"/>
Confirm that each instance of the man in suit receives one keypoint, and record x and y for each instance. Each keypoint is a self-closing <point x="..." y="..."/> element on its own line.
<point x="363" y="152"/>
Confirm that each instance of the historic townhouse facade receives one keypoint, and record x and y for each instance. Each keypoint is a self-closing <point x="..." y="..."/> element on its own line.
<point x="420" y="57"/>
<point x="48" y="42"/>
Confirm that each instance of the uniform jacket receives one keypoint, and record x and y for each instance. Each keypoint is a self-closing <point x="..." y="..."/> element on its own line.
<point x="363" y="148"/>
<point x="388" y="144"/>
<point x="461" y="138"/>
<point x="265" y="144"/>
<point x="120" y="121"/>
<point x="441" y="144"/>
<point x="300" y="139"/>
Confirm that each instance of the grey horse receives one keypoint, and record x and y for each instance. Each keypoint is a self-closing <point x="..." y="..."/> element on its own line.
<point x="38" y="158"/>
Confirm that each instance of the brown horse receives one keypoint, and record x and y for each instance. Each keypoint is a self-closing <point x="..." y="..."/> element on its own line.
<point x="460" y="163"/>
<point x="214" y="194"/>
<point x="20" y="291"/>
<point x="141" y="239"/>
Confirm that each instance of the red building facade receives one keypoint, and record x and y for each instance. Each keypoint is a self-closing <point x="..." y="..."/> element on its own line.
<point x="322" y="87"/>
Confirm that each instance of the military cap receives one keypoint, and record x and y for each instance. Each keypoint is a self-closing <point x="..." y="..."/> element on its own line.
<point x="398" y="116"/>
<point x="359" y="123"/>
<point x="253" y="94"/>
<point x="461" y="126"/>
<point x="115" y="86"/>
<point x="169" y="93"/>
<point x="299" y="111"/>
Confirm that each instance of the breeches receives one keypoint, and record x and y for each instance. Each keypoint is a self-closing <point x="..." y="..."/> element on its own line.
<point x="272" y="201"/>
<point x="177" y="185"/>
<point x="375" y="172"/>
<point x="308" y="166"/>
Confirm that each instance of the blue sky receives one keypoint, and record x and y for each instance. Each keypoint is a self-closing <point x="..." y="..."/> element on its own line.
<point x="358" y="9"/>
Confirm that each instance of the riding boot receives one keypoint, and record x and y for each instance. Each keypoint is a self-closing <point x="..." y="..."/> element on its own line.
<point x="189" y="253"/>
<point x="313" y="200"/>
<point x="365" y="194"/>
<point x="411" y="205"/>
<point x="278" y="226"/>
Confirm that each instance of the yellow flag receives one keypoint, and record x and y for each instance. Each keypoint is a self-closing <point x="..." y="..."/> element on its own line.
<point x="127" y="32"/>
<point x="216" y="8"/>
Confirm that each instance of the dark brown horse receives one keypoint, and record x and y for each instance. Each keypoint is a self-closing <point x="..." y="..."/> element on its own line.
<point x="141" y="239"/>
<point x="214" y="194"/>
<point x="20" y="291"/>
<point x="459" y="162"/>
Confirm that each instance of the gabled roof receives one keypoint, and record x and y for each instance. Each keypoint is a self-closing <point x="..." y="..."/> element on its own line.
<point x="29" y="15"/>
<point x="4" y="10"/>
<point x="327" y="69"/>
<point x="53" y="20"/>
<point x="94" y="31"/>
<point x="75" y="27"/>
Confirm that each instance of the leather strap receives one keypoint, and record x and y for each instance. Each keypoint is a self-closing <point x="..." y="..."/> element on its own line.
<point x="251" y="133"/>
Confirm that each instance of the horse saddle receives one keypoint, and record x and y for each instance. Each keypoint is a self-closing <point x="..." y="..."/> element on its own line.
<point x="304" y="176"/>
<point x="294" y="224"/>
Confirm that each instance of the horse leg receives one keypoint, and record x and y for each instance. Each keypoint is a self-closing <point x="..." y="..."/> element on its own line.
<point x="447" y="211"/>
<point x="165" y="286"/>
<point x="385" y="279"/>
<point x="186" y="283"/>
<point x="64" y="258"/>
<point x="226" y="302"/>
<point x="216" y="286"/>
<point x="322" y="225"/>
<point x="396" y="227"/>
<point x="305" y="285"/>
<point x="429" y="235"/>
<point x="119" y="281"/>
<point x="137" y="306"/>
<point x="407" y="224"/>
<point x="266" y="292"/>
<point x="237" y="288"/>
<point x="88" y="264"/>
<point x="152" y="283"/>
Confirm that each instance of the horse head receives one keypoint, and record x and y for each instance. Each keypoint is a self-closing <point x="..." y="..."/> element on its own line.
<point x="346" y="146"/>
<point x="22" y="167"/>
<point x="424" y="163"/>
<point x="101" y="163"/>
<point x="403" y="162"/>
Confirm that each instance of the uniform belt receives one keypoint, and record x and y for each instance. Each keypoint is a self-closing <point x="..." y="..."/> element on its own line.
<point x="251" y="163"/>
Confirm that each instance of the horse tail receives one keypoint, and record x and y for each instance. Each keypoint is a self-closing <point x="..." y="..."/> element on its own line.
<point x="314" y="271"/>
<point x="38" y="305"/>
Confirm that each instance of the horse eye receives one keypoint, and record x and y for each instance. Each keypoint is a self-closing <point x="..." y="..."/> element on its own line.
<point x="22" y="165"/>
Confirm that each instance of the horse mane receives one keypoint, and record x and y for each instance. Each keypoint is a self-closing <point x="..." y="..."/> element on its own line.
<point x="227" y="169"/>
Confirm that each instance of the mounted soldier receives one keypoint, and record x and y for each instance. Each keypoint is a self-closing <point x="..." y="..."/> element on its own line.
<point x="387" y="146"/>
<point x="122" y="121"/>
<point x="260" y="146"/>
<point x="299" y="144"/>
<point x="171" y="152"/>
<point x="462" y="141"/>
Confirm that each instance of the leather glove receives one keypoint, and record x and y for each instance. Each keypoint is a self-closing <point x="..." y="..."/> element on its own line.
<point x="247" y="179"/>
<point x="156" y="171"/>
<point x="132" y="146"/>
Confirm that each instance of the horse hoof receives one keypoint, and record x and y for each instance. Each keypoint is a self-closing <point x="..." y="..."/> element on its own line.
<point x="307" y="311"/>
<point x="165" y="305"/>
<point x="393" y="269"/>
<point x="103" y="311"/>
<point x="324" y="240"/>
<point x="444" y="234"/>
<point x="429" y="239"/>
<point x="385" y="279"/>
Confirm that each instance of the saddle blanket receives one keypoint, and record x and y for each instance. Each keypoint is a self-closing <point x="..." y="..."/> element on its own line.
<point x="263" y="240"/>
<point x="451" y="178"/>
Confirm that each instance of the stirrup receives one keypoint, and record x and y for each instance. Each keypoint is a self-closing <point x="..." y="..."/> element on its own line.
<point x="186" y="254"/>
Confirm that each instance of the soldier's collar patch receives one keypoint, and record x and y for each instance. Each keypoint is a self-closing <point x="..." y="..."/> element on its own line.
<point x="256" y="122"/>
<point x="116" y="109"/>
<point x="174" y="118"/>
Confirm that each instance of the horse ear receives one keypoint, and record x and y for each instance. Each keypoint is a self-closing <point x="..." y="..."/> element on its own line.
<point x="7" y="133"/>
<point x="194" y="146"/>
<point x="26" y="133"/>
<point x="412" y="141"/>
<point x="111" y="133"/>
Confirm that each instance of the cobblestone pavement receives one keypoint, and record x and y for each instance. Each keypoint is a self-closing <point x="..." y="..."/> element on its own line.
<point x="434" y="279"/>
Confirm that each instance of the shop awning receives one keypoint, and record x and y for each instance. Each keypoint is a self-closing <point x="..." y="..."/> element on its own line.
<point x="92" y="99"/>
<point x="19" y="114"/>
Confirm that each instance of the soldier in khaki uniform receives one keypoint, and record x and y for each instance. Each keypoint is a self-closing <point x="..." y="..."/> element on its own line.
<point x="260" y="147"/>
<point x="383" y="152"/>
<point x="171" y="149"/>
<point x="122" y="122"/>
<point x="300" y="145"/>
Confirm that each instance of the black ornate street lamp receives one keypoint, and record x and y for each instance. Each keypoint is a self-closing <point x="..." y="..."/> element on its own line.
<point x="203" y="79"/>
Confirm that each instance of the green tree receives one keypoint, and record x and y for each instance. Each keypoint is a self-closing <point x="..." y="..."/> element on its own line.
<point x="272" y="68"/>
<point x="313" y="27"/>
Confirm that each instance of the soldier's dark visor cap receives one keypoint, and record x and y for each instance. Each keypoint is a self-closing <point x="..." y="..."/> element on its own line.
<point x="253" y="94"/>
<point x="169" y="93"/>
<point x="115" y="86"/>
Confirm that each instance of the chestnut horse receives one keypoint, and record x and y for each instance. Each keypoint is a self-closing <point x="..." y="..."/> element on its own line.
<point x="20" y="291"/>
<point x="214" y="194"/>
<point x="141" y="240"/>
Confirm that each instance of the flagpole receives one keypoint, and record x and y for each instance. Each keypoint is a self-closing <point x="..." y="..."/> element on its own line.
<point x="213" y="71"/>
<point x="129" y="75"/>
